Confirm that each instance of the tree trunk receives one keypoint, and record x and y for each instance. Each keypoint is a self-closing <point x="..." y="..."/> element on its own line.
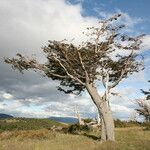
<point x="79" y="119"/>
<point x="103" y="130"/>
<point x="107" y="124"/>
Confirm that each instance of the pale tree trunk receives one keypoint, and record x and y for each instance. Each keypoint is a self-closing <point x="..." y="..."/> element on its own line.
<point x="108" y="122"/>
<point x="79" y="119"/>
<point x="98" y="119"/>
<point x="107" y="128"/>
<point x="103" y="130"/>
<point x="78" y="116"/>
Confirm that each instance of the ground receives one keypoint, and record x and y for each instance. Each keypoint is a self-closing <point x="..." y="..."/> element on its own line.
<point x="134" y="138"/>
<point x="45" y="134"/>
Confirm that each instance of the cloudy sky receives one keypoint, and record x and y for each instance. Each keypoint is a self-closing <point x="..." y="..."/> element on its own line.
<point x="27" y="25"/>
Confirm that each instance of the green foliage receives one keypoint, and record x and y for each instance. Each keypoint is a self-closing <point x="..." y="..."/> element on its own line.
<point x="123" y="124"/>
<point x="147" y="93"/>
<point x="76" y="128"/>
<point x="87" y="120"/>
<point x="75" y="66"/>
<point x="26" y="124"/>
<point x="146" y="125"/>
<point x="144" y="106"/>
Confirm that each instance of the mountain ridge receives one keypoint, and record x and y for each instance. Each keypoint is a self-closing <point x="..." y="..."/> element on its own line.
<point x="69" y="120"/>
<point x="5" y="116"/>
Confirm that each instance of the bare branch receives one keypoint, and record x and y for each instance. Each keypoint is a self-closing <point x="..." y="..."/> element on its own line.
<point x="57" y="75"/>
<point x="71" y="76"/>
<point x="123" y="71"/>
<point x="83" y="67"/>
<point x="119" y="79"/>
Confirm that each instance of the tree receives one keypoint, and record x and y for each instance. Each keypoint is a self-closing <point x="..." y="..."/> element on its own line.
<point x="80" y="121"/>
<point x="107" y="57"/>
<point x="144" y="104"/>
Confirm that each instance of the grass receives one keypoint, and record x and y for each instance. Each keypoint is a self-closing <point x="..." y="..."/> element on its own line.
<point x="134" y="138"/>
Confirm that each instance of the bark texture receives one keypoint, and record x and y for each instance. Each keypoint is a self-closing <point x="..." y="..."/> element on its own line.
<point x="107" y="123"/>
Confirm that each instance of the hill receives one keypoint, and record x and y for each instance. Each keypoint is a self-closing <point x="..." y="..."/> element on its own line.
<point x="27" y="124"/>
<point x="68" y="120"/>
<point x="4" y="116"/>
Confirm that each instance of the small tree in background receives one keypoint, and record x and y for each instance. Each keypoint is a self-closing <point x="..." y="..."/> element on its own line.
<point x="106" y="58"/>
<point x="144" y="104"/>
<point x="80" y="121"/>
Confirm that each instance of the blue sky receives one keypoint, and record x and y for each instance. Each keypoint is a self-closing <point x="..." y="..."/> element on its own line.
<point x="135" y="8"/>
<point x="27" y="25"/>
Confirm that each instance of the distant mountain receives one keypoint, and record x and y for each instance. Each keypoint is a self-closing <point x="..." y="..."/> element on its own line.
<point x="5" y="116"/>
<point x="68" y="120"/>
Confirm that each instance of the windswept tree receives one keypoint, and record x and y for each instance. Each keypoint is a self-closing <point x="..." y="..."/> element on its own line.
<point x="107" y="57"/>
<point x="144" y="105"/>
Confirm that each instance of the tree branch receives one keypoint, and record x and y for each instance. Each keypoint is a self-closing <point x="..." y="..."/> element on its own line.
<point x="71" y="66"/>
<point x="71" y="76"/>
<point x="123" y="71"/>
<point x="82" y="65"/>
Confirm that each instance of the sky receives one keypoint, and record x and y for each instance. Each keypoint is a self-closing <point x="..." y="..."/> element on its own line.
<point x="27" y="25"/>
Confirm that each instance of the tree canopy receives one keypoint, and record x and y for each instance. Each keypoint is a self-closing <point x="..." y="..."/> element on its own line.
<point x="108" y="56"/>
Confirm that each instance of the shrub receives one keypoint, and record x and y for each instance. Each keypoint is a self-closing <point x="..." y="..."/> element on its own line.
<point x="123" y="124"/>
<point x="146" y="125"/>
<point x="87" y="120"/>
<point x="76" y="128"/>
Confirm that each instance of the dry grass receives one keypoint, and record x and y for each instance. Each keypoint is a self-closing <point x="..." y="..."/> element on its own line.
<point x="126" y="139"/>
<point x="29" y="134"/>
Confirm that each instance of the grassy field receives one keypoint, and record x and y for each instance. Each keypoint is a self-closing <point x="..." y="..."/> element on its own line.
<point x="37" y="134"/>
<point x="43" y="139"/>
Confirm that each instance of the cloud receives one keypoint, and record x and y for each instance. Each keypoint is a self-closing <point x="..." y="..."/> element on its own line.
<point x="146" y="42"/>
<point x="2" y="106"/>
<point x="28" y="25"/>
<point x="125" y="19"/>
<point x="121" y="112"/>
<point x="25" y="27"/>
<point x="7" y="96"/>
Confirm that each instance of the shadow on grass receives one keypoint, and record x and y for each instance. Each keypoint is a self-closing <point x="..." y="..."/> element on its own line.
<point x="91" y="136"/>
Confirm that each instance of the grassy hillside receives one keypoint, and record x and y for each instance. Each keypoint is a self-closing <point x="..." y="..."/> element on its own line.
<point x="26" y="124"/>
<point x="37" y="134"/>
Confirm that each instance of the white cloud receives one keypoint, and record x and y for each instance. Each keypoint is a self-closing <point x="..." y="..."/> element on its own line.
<point x="2" y="106"/>
<point x="7" y="96"/>
<point x="28" y="25"/>
<point x="126" y="19"/>
<point x="146" y="42"/>
<point x="129" y="21"/>
<point x="120" y="109"/>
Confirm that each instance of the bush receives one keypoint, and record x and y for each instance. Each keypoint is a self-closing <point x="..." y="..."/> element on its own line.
<point x="146" y="125"/>
<point x="87" y="120"/>
<point x="76" y="128"/>
<point x="119" y="123"/>
<point x="123" y="124"/>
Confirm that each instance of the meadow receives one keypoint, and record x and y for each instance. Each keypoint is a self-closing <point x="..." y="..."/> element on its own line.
<point x="127" y="138"/>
